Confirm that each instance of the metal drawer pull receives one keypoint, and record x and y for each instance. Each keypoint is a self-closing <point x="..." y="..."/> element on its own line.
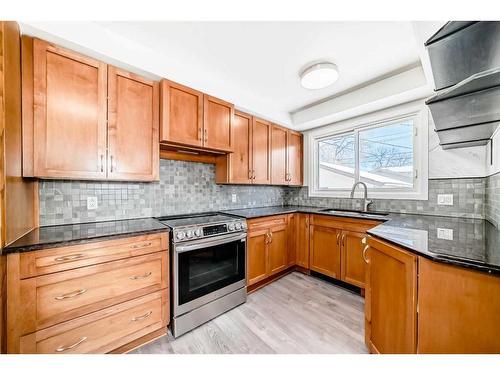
<point x="141" y="245"/>
<point x="64" y="348"/>
<point x="137" y="318"/>
<point x="70" y="295"/>
<point x="364" y="254"/>
<point x="69" y="257"/>
<point x="138" y="277"/>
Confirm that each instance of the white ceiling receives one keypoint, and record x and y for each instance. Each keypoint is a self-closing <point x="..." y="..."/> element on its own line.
<point x="252" y="64"/>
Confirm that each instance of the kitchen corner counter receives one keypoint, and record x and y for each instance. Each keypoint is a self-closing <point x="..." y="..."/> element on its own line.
<point x="73" y="234"/>
<point x="472" y="243"/>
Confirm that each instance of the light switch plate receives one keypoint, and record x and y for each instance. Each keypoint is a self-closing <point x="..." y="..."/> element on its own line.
<point x="445" y="234"/>
<point x="91" y="203"/>
<point x="234" y="198"/>
<point x="445" y="199"/>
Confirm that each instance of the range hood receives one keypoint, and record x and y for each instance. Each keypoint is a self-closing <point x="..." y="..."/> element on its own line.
<point x="465" y="61"/>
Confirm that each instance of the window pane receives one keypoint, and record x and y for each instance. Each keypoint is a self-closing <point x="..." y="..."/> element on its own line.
<point x="386" y="156"/>
<point x="337" y="162"/>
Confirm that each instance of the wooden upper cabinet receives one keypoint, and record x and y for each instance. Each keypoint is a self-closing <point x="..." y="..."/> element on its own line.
<point x="69" y="116"/>
<point x="325" y="250"/>
<point x="261" y="151"/>
<point x="181" y="112"/>
<point x="218" y="117"/>
<point x="240" y="161"/>
<point x="279" y="174"/>
<point x="390" y="299"/>
<point x="133" y="117"/>
<point x="294" y="158"/>
<point x="353" y="265"/>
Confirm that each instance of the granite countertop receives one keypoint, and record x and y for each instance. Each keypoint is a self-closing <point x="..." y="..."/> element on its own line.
<point x="73" y="234"/>
<point x="474" y="243"/>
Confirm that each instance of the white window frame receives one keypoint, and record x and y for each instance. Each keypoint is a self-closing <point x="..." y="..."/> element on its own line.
<point x="417" y="111"/>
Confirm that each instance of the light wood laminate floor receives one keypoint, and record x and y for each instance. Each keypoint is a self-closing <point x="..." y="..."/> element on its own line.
<point x="296" y="314"/>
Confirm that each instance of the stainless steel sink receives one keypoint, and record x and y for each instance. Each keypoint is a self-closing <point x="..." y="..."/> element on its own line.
<point x="353" y="213"/>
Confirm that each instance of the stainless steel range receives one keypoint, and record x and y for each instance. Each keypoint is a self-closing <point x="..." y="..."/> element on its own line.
<point x="208" y="267"/>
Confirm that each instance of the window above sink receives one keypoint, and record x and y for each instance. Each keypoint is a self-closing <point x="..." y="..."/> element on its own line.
<point x="387" y="150"/>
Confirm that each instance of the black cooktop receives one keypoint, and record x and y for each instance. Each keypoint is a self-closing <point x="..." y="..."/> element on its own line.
<point x="195" y="219"/>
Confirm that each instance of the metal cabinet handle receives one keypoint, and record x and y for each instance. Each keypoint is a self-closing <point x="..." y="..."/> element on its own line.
<point x="69" y="257"/>
<point x="338" y="236"/>
<point x="364" y="254"/>
<point x="64" y="348"/>
<point x="307" y="222"/>
<point x="139" y="277"/>
<point x="140" y="246"/>
<point x="206" y="135"/>
<point x="199" y="134"/>
<point x="343" y="240"/>
<point x="111" y="163"/>
<point x="270" y="236"/>
<point x="142" y="317"/>
<point x="102" y="163"/>
<point x="249" y="174"/>
<point x="70" y="295"/>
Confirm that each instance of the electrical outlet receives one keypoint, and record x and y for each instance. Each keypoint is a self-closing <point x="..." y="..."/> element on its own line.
<point x="91" y="203"/>
<point x="445" y="233"/>
<point x="234" y="198"/>
<point x="445" y="199"/>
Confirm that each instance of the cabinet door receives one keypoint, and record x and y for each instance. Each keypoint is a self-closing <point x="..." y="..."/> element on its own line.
<point x="325" y="251"/>
<point x="278" y="257"/>
<point x="292" y="239"/>
<point x="390" y="299"/>
<point x="181" y="112"/>
<point x="294" y="157"/>
<point x="133" y="118"/>
<point x="302" y="240"/>
<point x="257" y="256"/>
<point x="261" y="151"/>
<point x="278" y="151"/>
<point x="240" y="161"/>
<point x="218" y="124"/>
<point x="353" y="265"/>
<point x="69" y="114"/>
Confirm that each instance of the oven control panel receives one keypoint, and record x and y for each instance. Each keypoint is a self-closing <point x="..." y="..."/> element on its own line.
<point x="203" y="231"/>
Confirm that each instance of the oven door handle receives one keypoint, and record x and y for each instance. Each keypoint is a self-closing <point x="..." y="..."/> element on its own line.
<point x="212" y="242"/>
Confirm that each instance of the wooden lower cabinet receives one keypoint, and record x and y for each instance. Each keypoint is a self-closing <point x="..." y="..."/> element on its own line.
<point x="353" y="266"/>
<point x="390" y="299"/>
<point x="302" y="240"/>
<point x="458" y="310"/>
<point x="325" y="250"/>
<point x="267" y="250"/>
<point x="257" y="256"/>
<point x="83" y="299"/>
<point x="292" y="239"/>
<point x="277" y="247"/>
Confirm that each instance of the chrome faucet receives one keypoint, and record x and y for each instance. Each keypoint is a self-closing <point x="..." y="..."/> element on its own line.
<point x="366" y="201"/>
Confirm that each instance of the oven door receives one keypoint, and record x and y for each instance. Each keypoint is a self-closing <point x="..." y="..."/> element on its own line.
<point x="207" y="269"/>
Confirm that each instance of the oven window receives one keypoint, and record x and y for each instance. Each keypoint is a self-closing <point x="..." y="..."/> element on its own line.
<point x="206" y="270"/>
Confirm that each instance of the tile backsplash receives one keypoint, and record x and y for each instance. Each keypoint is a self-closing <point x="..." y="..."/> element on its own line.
<point x="492" y="199"/>
<point x="186" y="187"/>
<point x="468" y="199"/>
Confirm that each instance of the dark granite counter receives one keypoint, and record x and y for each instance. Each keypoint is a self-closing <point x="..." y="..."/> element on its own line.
<point x="472" y="243"/>
<point x="73" y="234"/>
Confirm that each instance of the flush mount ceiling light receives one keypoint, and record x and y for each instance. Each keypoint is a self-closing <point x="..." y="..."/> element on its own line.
<point x="319" y="75"/>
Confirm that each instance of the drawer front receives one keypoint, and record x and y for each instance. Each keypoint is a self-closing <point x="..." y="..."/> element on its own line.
<point x="69" y="294"/>
<point x="38" y="263"/>
<point x="103" y="331"/>
<point x="266" y="222"/>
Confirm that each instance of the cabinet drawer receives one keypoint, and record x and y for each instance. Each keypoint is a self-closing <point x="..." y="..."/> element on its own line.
<point x="104" y="330"/>
<point x="266" y="222"/>
<point x="67" y="295"/>
<point x="38" y="263"/>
